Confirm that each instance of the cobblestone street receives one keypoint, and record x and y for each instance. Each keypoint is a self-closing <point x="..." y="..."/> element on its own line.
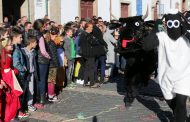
<point x="105" y="105"/>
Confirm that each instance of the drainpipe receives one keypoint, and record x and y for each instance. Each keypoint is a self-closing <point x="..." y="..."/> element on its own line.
<point x="110" y="9"/>
<point x="29" y="10"/>
<point x="46" y="7"/>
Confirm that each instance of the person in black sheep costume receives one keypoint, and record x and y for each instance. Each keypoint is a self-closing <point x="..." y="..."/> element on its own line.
<point x="173" y="61"/>
<point x="140" y="64"/>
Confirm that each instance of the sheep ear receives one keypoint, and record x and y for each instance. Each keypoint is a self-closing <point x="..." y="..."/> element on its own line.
<point x="163" y="17"/>
<point x="184" y="13"/>
<point x="146" y="15"/>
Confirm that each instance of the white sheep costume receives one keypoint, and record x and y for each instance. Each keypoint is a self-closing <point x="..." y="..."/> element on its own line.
<point x="173" y="65"/>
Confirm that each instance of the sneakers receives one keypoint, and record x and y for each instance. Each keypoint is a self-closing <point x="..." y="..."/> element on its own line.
<point x="71" y="85"/>
<point x="32" y="108"/>
<point x="22" y="115"/>
<point x="53" y="99"/>
<point x="79" y="81"/>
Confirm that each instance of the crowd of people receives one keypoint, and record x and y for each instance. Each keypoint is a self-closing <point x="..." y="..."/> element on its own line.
<point x="41" y="58"/>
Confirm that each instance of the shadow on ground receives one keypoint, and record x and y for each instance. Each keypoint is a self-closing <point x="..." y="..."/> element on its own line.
<point x="151" y="104"/>
<point x="151" y="91"/>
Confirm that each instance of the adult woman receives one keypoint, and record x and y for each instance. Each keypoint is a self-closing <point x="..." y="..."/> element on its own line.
<point x="43" y="60"/>
<point x="88" y="52"/>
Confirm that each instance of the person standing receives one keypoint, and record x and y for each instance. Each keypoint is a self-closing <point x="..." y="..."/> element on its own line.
<point x="101" y="59"/>
<point x="42" y="61"/>
<point x="54" y="64"/>
<point x="88" y="53"/>
<point x="29" y="54"/>
<point x="27" y="27"/>
<point x="18" y="63"/>
<point x="69" y="48"/>
<point x="111" y="42"/>
<point x="12" y="103"/>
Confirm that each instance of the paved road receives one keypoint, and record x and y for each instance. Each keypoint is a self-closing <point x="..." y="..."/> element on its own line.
<point x="105" y="104"/>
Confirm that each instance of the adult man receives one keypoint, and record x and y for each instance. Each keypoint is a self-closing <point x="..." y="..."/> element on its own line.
<point x="27" y="26"/>
<point x="23" y="21"/>
<point x="101" y="59"/>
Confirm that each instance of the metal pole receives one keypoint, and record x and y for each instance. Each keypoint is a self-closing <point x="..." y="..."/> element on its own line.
<point x="29" y="10"/>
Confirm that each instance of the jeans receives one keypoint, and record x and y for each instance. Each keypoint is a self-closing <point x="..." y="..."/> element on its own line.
<point x="120" y="62"/>
<point x="69" y="71"/>
<point x="43" y="72"/>
<point x="102" y="61"/>
<point x="31" y="89"/>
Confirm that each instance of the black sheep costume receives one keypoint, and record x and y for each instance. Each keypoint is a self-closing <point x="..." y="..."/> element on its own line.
<point x="140" y="63"/>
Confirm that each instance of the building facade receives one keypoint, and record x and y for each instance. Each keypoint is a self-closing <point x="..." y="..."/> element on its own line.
<point x="63" y="11"/>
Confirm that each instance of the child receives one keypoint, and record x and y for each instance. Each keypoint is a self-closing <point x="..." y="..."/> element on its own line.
<point x="3" y="39"/>
<point x="61" y="69"/>
<point x="54" y="64"/>
<point x="70" y="55"/>
<point x="12" y="92"/>
<point x="3" y="86"/>
<point x="30" y="60"/>
<point x="18" y="63"/>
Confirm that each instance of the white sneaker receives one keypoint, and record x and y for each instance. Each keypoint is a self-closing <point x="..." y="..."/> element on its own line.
<point x="54" y="99"/>
<point x="81" y="82"/>
<point x="88" y="83"/>
<point x="78" y="81"/>
<point x="32" y="108"/>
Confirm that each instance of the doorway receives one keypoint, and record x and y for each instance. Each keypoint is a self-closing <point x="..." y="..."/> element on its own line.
<point x="11" y="9"/>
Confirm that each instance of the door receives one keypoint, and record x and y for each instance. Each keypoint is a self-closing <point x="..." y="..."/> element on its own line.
<point x="124" y="10"/>
<point x="86" y="8"/>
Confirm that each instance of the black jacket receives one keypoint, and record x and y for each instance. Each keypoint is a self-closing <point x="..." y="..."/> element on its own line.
<point x="90" y="46"/>
<point x="26" y="60"/>
<point x="98" y="34"/>
<point x="54" y="61"/>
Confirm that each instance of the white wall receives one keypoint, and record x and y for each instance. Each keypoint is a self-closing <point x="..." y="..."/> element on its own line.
<point x="145" y="4"/>
<point x="104" y="9"/>
<point x="116" y="8"/>
<point x="40" y="9"/>
<point x="133" y="7"/>
<point x="170" y="4"/>
<point x="69" y="10"/>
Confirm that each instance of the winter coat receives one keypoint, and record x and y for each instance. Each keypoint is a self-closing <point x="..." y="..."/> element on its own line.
<point x="18" y="61"/>
<point x="27" y="61"/>
<point x="110" y="40"/>
<point x="68" y="47"/>
<point x="54" y="61"/>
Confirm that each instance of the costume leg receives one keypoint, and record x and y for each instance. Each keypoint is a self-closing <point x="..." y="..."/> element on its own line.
<point x="181" y="110"/>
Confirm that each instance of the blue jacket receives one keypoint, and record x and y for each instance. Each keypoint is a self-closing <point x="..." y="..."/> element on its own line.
<point x="18" y="61"/>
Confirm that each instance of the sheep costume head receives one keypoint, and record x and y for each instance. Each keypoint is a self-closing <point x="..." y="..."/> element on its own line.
<point x="175" y="23"/>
